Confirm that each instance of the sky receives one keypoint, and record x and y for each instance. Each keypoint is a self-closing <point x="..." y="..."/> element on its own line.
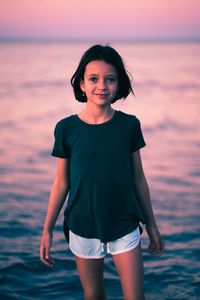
<point x="97" y="19"/>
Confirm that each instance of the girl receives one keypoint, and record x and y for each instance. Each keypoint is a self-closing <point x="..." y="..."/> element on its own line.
<point x="99" y="165"/>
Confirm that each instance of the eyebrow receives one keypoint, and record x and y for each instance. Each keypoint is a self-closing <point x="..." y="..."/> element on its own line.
<point x="113" y="75"/>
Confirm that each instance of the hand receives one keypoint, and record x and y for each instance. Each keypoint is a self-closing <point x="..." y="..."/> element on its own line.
<point x="45" y="249"/>
<point x="156" y="245"/>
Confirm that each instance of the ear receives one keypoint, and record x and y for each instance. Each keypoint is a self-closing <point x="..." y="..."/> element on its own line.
<point x="82" y="85"/>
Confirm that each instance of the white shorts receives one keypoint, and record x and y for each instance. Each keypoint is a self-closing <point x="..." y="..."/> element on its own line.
<point x="94" y="248"/>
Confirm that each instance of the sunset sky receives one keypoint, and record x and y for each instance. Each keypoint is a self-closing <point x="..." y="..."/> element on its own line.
<point x="89" y="19"/>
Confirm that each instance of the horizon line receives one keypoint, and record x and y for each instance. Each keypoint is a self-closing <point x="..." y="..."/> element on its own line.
<point x="25" y="39"/>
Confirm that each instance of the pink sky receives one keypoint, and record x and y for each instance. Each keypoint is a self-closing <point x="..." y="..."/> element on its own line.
<point x="87" y="19"/>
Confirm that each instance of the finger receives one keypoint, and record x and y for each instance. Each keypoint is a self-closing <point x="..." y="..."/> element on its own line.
<point x="162" y="247"/>
<point x="47" y="254"/>
<point x="42" y="252"/>
<point x="159" y="248"/>
<point x="45" y="257"/>
<point x="152" y="246"/>
<point x="152" y="250"/>
<point x="156" y="247"/>
<point x="49" y="262"/>
<point x="48" y="257"/>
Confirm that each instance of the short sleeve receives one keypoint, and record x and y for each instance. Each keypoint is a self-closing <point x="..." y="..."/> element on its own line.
<point x="60" y="148"/>
<point x="137" y="139"/>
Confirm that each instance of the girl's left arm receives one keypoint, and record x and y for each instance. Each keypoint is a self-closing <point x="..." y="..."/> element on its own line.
<point x="142" y="193"/>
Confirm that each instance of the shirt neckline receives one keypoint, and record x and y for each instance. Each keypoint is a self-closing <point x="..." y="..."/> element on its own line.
<point x="99" y="124"/>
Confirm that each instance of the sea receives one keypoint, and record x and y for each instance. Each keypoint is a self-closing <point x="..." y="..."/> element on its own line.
<point x="35" y="93"/>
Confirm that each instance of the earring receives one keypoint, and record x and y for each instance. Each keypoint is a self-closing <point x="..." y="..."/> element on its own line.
<point x="83" y="95"/>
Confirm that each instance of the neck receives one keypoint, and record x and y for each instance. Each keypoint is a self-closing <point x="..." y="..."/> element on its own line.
<point x="96" y="114"/>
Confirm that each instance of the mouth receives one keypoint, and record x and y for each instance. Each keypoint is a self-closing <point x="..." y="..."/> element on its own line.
<point x="102" y="95"/>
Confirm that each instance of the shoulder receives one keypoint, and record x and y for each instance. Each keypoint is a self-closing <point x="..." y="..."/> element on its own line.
<point x="129" y="118"/>
<point x="64" y="125"/>
<point x="65" y="122"/>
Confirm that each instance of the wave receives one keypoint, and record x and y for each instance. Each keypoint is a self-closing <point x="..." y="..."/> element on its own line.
<point x="182" y="86"/>
<point x="169" y="124"/>
<point x="43" y="83"/>
<point x="9" y="88"/>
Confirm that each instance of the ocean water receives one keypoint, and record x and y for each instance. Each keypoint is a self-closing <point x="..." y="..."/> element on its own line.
<point x="34" y="94"/>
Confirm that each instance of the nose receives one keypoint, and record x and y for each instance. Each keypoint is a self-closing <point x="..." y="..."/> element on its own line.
<point x="102" y="85"/>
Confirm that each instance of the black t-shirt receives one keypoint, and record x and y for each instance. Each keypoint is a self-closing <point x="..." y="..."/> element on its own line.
<point x="102" y="202"/>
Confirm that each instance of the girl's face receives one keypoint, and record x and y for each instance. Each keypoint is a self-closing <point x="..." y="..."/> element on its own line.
<point x="100" y="82"/>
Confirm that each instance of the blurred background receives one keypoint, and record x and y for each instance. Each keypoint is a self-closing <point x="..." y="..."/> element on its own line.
<point x="41" y="43"/>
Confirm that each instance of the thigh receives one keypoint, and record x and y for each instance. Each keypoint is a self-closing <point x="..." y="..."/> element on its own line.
<point x="130" y="268"/>
<point x="91" y="275"/>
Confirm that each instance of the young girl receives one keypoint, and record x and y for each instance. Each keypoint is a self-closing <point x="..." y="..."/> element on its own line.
<point x="99" y="165"/>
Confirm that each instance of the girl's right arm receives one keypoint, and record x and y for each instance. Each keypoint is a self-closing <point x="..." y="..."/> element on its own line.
<point x="57" y="198"/>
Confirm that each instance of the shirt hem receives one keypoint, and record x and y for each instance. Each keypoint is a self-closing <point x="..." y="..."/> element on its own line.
<point x="95" y="236"/>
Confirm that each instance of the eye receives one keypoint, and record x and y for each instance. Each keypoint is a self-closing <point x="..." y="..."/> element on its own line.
<point x="111" y="79"/>
<point x="93" y="79"/>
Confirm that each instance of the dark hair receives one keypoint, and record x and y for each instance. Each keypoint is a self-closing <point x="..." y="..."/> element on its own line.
<point x="110" y="56"/>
